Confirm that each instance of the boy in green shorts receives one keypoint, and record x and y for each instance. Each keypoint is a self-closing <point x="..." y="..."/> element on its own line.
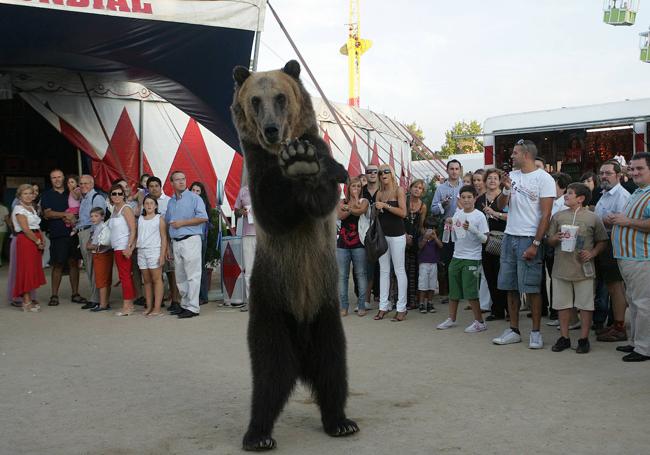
<point x="470" y="228"/>
<point x="573" y="271"/>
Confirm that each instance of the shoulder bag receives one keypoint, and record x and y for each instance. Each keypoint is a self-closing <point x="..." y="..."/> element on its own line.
<point x="375" y="242"/>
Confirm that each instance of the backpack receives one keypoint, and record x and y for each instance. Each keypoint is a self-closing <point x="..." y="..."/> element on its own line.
<point x="107" y="213"/>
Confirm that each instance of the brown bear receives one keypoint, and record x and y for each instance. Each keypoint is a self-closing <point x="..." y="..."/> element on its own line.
<point x="294" y="329"/>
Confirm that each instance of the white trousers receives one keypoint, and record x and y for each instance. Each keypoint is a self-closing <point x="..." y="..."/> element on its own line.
<point x="395" y="253"/>
<point x="637" y="287"/>
<point x="87" y="256"/>
<point x="248" y="244"/>
<point x="187" y="264"/>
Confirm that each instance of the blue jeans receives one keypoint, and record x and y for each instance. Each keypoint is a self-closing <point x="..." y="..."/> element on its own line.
<point x="517" y="274"/>
<point x="358" y="258"/>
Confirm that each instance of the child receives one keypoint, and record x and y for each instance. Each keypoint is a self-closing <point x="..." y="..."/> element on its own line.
<point x="573" y="272"/>
<point x="471" y="229"/>
<point x="74" y="200"/>
<point x="152" y="250"/>
<point x="102" y="258"/>
<point x="428" y="257"/>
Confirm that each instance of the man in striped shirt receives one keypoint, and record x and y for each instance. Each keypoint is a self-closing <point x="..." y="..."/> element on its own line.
<point x="631" y="243"/>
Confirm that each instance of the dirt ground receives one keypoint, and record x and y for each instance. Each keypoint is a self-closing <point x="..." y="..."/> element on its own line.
<point x="75" y="382"/>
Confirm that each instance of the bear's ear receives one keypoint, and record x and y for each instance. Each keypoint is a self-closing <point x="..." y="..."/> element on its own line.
<point x="292" y="68"/>
<point x="240" y="74"/>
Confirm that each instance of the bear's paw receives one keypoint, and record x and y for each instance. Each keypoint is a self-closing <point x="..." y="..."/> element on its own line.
<point x="344" y="427"/>
<point x="298" y="159"/>
<point x="258" y="443"/>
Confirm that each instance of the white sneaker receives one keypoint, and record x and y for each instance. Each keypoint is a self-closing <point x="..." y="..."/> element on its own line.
<point x="476" y="326"/>
<point x="535" y="341"/>
<point x="553" y="323"/>
<point x="446" y="324"/>
<point x="507" y="337"/>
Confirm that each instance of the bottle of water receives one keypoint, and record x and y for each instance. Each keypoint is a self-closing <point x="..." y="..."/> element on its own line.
<point x="587" y="267"/>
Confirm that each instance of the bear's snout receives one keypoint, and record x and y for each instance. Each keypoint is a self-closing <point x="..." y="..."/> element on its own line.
<point x="272" y="134"/>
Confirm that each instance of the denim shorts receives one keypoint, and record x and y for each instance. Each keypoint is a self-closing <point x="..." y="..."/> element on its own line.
<point x="517" y="274"/>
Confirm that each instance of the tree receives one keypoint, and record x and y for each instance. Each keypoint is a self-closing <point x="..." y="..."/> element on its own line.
<point x="418" y="152"/>
<point x="469" y="144"/>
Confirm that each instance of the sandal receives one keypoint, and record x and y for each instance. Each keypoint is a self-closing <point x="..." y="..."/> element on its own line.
<point x="361" y="313"/>
<point x="380" y="315"/>
<point x="344" y="313"/>
<point x="399" y="317"/>
<point x="54" y="301"/>
<point x="76" y="298"/>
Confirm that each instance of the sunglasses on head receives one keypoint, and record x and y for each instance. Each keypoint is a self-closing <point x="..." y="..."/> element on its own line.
<point x="385" y="171"/>
<point x="371" y="171"/>
<point x="117" y="193"/>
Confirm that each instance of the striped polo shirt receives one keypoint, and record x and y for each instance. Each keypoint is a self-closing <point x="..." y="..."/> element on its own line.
<point x="629" y="243"/>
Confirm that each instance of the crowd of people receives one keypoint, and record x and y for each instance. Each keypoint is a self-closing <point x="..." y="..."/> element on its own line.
<point x="149" y="237"/>
<point x="492" y="237"/>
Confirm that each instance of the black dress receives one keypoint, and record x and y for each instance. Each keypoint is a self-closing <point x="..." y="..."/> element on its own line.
<point x="492" y="263"/>
<point x="412" y="224"/>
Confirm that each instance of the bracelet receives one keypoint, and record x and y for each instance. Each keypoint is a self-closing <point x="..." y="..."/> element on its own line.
<point x="505" y="192"/>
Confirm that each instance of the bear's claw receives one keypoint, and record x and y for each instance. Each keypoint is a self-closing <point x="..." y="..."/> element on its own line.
<point x="258" y="444"/>
<point x="345" y="427"/>
<point x="298" y="159"/>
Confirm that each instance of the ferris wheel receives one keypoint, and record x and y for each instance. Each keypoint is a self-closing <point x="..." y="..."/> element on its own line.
<point x="623" y="12"/>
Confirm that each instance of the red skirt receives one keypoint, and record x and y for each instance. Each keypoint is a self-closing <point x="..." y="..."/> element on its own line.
<point x="29" y="265"/>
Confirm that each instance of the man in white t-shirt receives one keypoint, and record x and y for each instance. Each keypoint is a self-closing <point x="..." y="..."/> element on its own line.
<point x="529" y="194"/>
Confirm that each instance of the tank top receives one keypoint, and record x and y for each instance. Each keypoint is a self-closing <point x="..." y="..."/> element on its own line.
<point x="119" y="231"/>
<point x="149" y="232"/>
<point x="392" y="225"/>
<point x="349" y="233"/>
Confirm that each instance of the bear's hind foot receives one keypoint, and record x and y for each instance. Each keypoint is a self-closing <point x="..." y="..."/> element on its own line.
<point x="343" y="427"/>
<point x="258" y="443"/>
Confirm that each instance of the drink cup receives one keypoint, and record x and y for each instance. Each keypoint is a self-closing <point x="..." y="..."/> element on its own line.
<point x="569" y="236"/>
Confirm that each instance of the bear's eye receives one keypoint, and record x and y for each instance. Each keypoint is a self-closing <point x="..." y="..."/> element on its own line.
<point x="255" y="101"/>
<point x="281" y="100"/>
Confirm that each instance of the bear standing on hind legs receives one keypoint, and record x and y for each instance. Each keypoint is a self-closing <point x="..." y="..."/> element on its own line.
<point x="294" y="330"/>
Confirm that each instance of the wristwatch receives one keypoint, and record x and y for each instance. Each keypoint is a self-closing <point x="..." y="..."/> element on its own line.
<point x="537" y="243"/>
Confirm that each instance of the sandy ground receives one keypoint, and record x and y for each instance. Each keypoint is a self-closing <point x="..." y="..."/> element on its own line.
<point x="74" y="382"/>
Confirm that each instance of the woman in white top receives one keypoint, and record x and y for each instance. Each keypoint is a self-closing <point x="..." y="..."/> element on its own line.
<point x="123" y="236"/>
<point x="29" y="248"/>
<point x="152" y="251"/>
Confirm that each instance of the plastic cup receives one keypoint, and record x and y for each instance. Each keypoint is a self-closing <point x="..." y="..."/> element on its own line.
<point x="569" y="235"/>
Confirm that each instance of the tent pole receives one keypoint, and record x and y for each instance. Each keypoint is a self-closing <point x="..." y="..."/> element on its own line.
<point x="79" y="168"/>
<point x="140" y="147"/>
<point x="256" y="51"/>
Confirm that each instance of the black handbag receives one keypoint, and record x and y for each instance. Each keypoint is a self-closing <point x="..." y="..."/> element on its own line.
<point x="375" y="241"/>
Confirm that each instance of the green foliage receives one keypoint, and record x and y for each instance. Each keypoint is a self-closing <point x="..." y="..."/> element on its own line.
<point x="417" y="151"/>
<point x="455" y="145"/>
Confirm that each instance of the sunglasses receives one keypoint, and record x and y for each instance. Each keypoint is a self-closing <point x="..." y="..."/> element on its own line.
<point x="385" y="171"/>
<point x="371" y="171"/>
<point x="521" y="142"/>
<point x="116" y="193"/>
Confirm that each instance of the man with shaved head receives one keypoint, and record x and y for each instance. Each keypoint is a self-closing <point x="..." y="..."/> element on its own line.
<point x="90" y="198"/>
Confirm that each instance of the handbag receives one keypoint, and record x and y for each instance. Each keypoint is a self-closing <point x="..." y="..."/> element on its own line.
<point x="375" y="242"/>
<point x="494" y="241"/>
<point x="364" y="224"/>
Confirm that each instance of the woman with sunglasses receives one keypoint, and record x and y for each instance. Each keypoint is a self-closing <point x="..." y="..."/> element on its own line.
<point x="391" y="203"/>
<point x="123" y="238"/>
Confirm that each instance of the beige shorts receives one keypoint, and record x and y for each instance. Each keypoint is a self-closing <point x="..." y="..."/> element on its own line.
<point x="569" y="294"/>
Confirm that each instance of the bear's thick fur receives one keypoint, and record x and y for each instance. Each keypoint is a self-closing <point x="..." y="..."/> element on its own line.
<point x="295" y="329"/>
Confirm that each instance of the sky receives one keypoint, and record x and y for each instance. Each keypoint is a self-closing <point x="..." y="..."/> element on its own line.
<point x="435" y="63"/>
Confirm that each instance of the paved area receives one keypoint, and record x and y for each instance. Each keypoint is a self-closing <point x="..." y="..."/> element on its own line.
<point x="80" y="383"/>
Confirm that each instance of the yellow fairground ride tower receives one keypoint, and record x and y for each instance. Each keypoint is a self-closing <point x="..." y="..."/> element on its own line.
<point x="354" y="48"/>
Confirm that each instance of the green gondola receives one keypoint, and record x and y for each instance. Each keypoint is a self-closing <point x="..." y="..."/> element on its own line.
<point x="644" y="45"/>
<point x="620" y="12"/>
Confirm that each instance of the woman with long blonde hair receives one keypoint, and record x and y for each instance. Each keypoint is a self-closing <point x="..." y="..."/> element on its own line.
<point x="391" y="203"/>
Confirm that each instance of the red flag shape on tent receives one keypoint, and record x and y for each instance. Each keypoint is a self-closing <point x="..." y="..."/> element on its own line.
<point x="193" y="159"/>
<point x="375" y="155"/>
<point x="354" y="167"/>
<point x="391" y="162"/>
